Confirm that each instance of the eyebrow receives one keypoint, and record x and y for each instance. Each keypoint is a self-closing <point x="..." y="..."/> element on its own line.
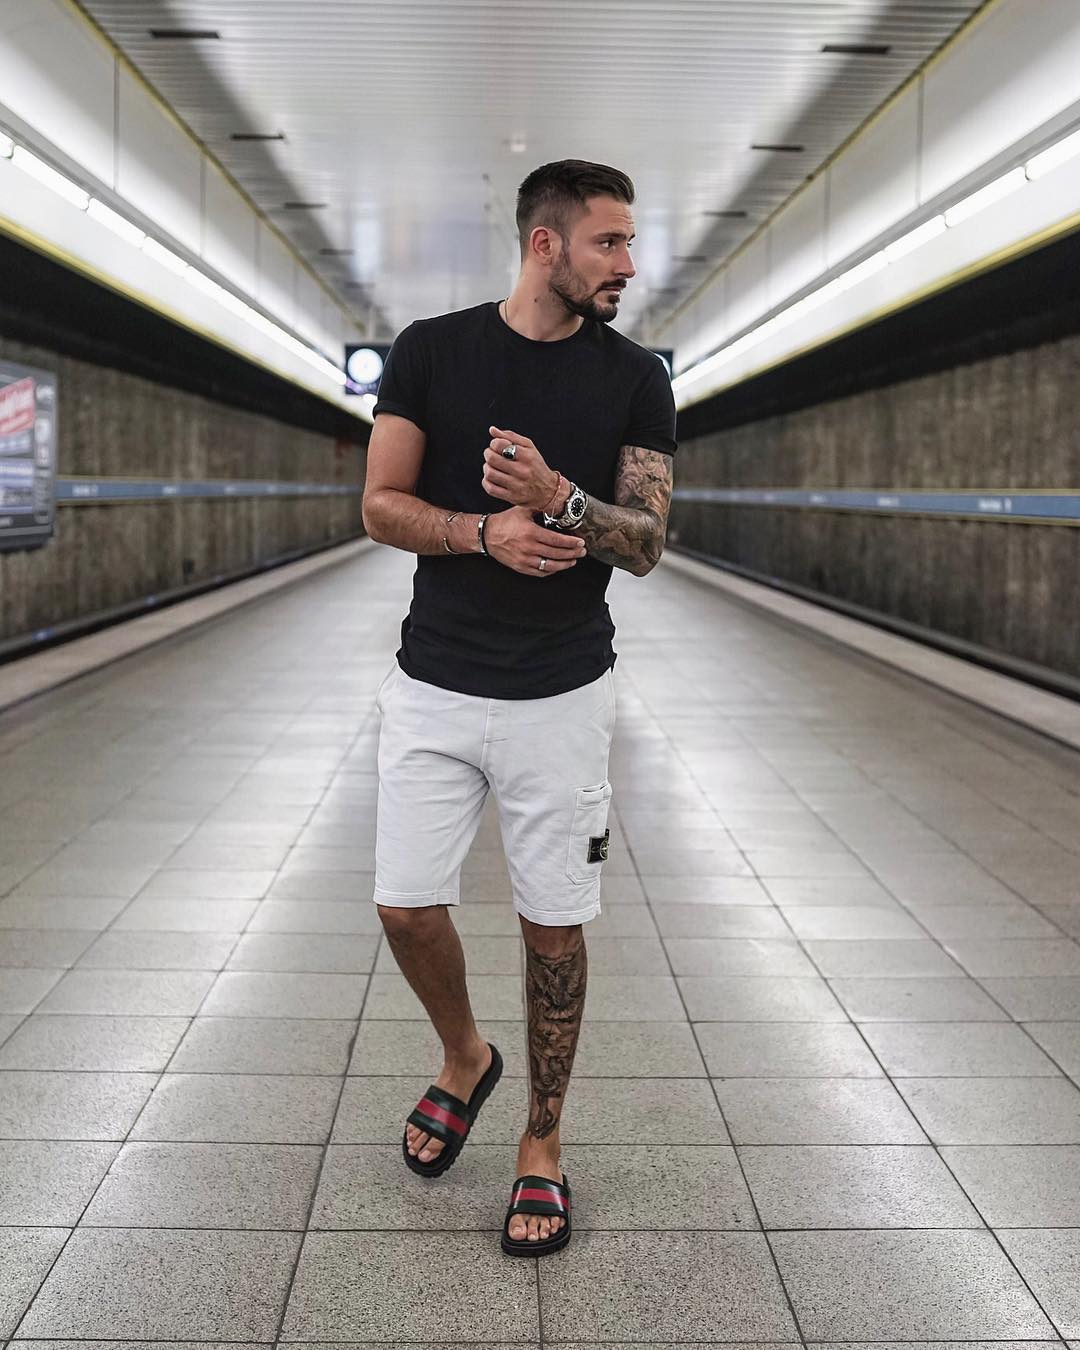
<point x="614" y="234"/>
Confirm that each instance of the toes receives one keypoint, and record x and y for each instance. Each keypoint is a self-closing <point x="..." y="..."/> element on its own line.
<point x="517" y="1228"/>
<point x="545" y="1229"/>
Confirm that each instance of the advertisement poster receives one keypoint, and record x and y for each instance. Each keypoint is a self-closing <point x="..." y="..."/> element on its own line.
<point x="27" y="456"/>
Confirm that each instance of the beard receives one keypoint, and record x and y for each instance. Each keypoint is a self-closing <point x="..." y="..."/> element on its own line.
<point x="578" y="299"/>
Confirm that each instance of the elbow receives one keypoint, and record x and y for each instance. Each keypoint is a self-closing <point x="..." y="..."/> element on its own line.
<point x="369" y="516"/>
<point x="651" y="558"/>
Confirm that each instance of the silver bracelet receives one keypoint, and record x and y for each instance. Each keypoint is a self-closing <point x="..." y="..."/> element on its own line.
<point x="480" y="534"/>
<point x="445" y="541"/>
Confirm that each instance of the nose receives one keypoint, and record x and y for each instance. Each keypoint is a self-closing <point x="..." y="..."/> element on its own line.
<point x="626" y="265"/>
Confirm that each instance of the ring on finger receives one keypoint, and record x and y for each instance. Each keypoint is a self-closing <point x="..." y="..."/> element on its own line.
<point x="509" y="452"/>
<point x="542" y="564"/>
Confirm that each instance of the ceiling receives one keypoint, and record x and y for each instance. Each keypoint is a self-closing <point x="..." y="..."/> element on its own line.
<point x="413" y="121"/>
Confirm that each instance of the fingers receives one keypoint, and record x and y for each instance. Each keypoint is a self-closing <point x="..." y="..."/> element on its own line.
<point x="549" y="542"/>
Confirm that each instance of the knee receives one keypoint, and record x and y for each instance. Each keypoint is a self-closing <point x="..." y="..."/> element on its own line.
<point x="402" y="924"/>
<point x="548" y="940"/>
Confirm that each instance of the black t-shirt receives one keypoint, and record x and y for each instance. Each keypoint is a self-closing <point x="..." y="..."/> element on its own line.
<point x="476" y="626"/>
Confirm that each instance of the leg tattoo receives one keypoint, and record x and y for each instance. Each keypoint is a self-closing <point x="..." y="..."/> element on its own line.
<point x="555" y="992"/>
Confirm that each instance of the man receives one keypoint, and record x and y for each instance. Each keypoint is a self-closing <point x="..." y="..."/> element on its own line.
<point x="503" y="679"/>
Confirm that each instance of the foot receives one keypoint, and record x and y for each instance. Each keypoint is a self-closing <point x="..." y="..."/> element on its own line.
<point x="537" y="1158"/>
<point x="460" y="1077"/>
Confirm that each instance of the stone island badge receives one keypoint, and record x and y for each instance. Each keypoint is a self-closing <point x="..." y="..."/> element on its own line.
<point x="598" y="847"/>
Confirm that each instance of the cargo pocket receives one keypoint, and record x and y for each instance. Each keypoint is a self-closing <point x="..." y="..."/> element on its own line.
<point x="589" y="833"/>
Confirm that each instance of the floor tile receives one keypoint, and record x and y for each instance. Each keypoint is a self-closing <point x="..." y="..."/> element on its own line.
<point x="785" y="1050"/>
<point x="25" y="1257"/>
<point x="1033" y="998"/>
<point x="995" y="1110"/>
<point x="240" y="1108"/>
<point x="42" y="948"/>
<point x="411" y="1047"/>
<point x="118" y="1044"/>
<point x="1020" y="1186"/>
<point x="1060" y="1040"/>
<point x="897" y="958"/>
<point x="157" y="951"/>
<point x="876" y="1186"/>
<point x="935" y="999"/>
<point x="737" y="956"/>
<point x="610" y="1286"/>
<point x="335" y="953"/>
<point x="383" y="1286"/>
<point x="153" y="1185"/>
<point x="221" y="1285"/>
<point x="720" y="921"/>
<point x="282" y="994"/>
<point x="48" y="1183"/>
<point x="1016" y="956"/>
<point x="746" y="999"/>
<point x="284" y="1045"/>
<point x="852" y="922"/>
<point x="53" y="1105"/>
<point x="916" y="1286"/>
<point x="144" y="993"/>
<point x="956" y="1050"/>
<point x="1049" y="1259"/>
<point x="816" y="1111"/>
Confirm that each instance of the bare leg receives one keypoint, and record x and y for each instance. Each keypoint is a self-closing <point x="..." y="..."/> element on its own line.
<point x="556" y="973"/>
<point x="427" y="948"/>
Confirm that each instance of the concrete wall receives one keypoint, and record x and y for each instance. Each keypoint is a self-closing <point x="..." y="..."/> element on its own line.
<point x="113" y="424"/>
<point x="1012" y="421"/>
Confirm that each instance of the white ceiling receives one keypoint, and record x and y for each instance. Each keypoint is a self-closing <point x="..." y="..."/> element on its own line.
<point x="402" y="115"/>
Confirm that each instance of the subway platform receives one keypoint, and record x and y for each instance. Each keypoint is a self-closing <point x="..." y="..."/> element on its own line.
<point x="826" y="1090"/>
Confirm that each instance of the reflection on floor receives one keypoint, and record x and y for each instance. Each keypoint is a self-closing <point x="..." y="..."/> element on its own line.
<point x="826" y="1089"/>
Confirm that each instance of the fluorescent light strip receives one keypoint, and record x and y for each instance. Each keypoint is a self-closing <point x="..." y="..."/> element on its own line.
<point x="1042" y="163"/>
<point x="45" y="173"/>
<point x="126" y="229"/>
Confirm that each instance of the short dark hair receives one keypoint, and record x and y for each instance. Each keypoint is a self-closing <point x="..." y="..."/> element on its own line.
<point x="555" y="193"/>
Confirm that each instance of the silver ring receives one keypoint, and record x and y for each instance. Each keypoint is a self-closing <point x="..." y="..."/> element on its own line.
<point x="542" y="564"/>
<point x="509" y="452"/>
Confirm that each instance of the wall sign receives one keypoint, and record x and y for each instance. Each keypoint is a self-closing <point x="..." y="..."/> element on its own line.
<point x="27" y="456"/>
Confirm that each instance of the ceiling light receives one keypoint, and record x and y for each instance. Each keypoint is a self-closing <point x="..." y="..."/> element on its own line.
<point x="336" y="252"/>
<point x="517" y="144"/>
<point x="120" y="225"/>
<point x="689" y="258"/>
<point x="1050" y="159"/>
<point x="857" y="48"/>
<point x="184" y="34"/>
<point x="993" y="192"/>
<point x="45" y="173"/>
<point x="304" y="206"/>
<point x="780" y="149"/>
<point x="7" y="146"/>
<point x="257" y="136"/>
<point x="922" y="234"/>
<point x="726" y="215"/>
<point x="163" y="255"/>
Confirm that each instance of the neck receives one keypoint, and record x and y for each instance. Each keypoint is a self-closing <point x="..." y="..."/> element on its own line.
<point x="540" y="316"/>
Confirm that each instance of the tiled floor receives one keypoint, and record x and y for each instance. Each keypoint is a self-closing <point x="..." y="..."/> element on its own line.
<point x="827" y="1086"/>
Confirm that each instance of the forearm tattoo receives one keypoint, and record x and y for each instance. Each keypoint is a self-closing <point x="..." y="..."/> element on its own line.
<point x="630" y="533"/>
<point x="555" y="994"/>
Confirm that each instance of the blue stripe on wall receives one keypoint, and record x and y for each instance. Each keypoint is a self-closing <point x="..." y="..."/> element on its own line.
<point x="1052" y="507"/>
<point x="70" y="490"/>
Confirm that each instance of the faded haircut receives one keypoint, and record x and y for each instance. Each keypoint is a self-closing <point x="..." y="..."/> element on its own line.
<point x="555" y="194"/>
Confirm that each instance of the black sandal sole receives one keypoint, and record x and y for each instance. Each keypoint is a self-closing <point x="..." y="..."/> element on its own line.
<point x="449" y="1154"/>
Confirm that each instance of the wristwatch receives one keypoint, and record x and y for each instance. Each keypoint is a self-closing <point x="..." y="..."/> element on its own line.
<point x="573" y="511"/>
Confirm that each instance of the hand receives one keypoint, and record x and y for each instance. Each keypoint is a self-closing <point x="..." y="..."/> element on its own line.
<point x="524" y="480"/>
<point x="514" y="539"/>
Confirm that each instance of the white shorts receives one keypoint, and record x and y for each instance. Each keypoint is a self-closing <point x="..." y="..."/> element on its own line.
<point x="546" y="760"/>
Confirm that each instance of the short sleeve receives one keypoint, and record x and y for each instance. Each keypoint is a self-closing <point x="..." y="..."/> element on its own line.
<point x="403" y="389"/>
<point x="652" y="411"/>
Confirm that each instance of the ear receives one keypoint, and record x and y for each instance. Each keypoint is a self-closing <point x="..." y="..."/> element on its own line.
<point x="544" y="245"/>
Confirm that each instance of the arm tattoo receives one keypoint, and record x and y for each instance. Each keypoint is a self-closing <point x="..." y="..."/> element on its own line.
<point x="555" y="993"/>
<point x="630" y="534"/>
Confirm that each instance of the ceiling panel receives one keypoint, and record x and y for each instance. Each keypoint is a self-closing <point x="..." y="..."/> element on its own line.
<point x="414" y="122"/>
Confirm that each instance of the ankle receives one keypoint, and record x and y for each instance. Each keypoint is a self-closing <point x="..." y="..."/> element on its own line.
<point x="548" y="1147"/>
<point x="468" y="1055"/>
